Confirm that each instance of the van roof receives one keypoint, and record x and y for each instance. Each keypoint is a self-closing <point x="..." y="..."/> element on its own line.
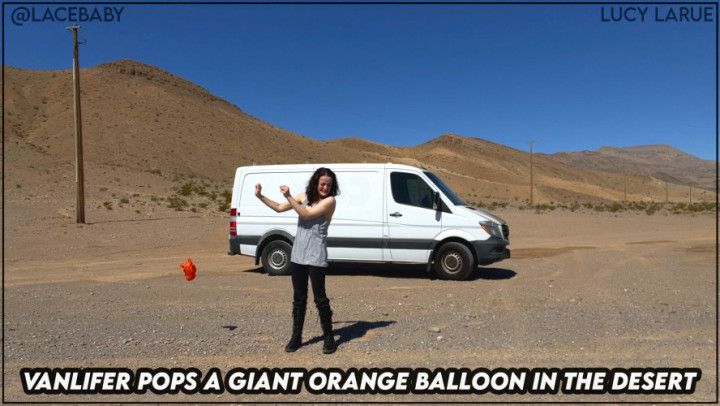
<point x="333" y="166"/>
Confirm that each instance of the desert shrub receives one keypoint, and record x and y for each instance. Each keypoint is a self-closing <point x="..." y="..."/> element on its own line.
<point x="222" y="206"/>
<point x="124" y="200"/>
<point x="177" y="203"/>
<point x="186" y="189"/>
<point x="544" y="206"/>
<point x="227" y="196"/>
<point x="200" y="188"/>
<point x="495" y="205"/>
<point x="634" y="206"/>
<point x="108" y="205"/>
<point x="224" y="201"/>
<point x="615" y="207"/>
<point x="701" y="207"/>
<point x="653" y="207"/>
<point x="680" y="206"/>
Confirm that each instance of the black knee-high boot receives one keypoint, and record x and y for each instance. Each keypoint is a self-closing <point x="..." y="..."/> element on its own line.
<point x="325" y="312"/>
<point x="298" y="315"/>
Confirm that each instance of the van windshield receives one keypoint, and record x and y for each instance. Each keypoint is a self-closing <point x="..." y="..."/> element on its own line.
<point x="445" y="189"/>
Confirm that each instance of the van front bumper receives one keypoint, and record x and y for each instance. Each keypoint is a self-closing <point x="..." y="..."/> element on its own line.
<point x="492" y="250"/>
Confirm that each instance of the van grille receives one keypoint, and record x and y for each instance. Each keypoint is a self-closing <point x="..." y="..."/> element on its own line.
<point x="506" y="231"/>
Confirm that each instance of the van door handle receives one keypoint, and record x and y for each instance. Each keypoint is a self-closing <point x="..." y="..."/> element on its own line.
<point x="396" y="214"/>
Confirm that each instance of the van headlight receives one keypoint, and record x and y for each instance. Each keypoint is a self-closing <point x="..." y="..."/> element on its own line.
<point x="491" y="228"/>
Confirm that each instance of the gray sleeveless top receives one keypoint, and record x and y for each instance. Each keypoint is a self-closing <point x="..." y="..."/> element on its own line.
<point x="310" y="245"/>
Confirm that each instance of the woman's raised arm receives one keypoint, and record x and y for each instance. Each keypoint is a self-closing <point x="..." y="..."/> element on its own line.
<point x="325" y="207"/>
<point x="277" y="207"/>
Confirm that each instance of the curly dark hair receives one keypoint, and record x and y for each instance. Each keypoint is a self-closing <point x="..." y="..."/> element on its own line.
<point x="311" y="191"/>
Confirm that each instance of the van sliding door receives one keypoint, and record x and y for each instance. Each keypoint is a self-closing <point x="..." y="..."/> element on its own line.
<point x="356" y="231"/>
<point x="412" y="221"/>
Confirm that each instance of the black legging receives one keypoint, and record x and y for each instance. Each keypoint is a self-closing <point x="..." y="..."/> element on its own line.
<point x="300" y="285"/>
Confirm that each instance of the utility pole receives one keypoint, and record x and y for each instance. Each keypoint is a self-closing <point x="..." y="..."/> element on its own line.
<point x="624" y="187"/>
<point x="666" y="192"/>
<point x="690" y="194"/>
<point x="79" y="176"/>
<point x="531" y="173"/>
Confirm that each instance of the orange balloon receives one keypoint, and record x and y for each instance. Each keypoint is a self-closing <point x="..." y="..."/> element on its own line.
<point x="189" y="268"/>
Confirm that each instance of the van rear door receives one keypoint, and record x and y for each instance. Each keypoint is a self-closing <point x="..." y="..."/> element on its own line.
<point x="412" y="221"/>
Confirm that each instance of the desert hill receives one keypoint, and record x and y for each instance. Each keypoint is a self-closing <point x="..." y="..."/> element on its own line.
<point x="143" y="118"/>
<point x="481" y="170"/>
<point x="660" y="161"/>
<point x="148" y="134"/>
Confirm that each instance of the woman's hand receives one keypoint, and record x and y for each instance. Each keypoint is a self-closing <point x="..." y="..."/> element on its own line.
<point x="285" y="190"/>
<point x="258" y="190"/>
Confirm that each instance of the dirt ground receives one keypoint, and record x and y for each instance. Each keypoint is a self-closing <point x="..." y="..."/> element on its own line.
<point x="581" y="290"/>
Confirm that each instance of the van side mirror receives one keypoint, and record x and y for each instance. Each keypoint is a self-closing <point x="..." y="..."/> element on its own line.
<point x="437" y="205"/>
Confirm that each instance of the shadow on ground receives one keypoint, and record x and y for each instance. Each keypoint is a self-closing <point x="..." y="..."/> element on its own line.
<point x="410" y="271"/>
<point x="403" y="271"/>
<point x="493" y="274"/>
<point x="353" y="331"/>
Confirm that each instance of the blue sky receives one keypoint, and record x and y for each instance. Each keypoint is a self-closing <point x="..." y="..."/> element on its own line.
<point x="404" y="74"/>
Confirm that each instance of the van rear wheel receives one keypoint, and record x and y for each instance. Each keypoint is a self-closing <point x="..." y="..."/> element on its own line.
<point x="453" y="261"/>
<point x="276" y="258"/>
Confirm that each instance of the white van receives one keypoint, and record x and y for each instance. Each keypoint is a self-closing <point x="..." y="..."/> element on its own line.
<point x="385" y="213"/>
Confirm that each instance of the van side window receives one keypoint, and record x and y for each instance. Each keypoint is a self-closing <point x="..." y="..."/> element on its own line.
<point x="410" y="189"/>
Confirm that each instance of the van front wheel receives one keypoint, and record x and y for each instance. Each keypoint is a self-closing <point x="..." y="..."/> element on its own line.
<point x="276" y="258"/>
<point x="453" y="261"/>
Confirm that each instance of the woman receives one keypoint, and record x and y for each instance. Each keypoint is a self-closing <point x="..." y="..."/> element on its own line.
<point x="315" y="209"/>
